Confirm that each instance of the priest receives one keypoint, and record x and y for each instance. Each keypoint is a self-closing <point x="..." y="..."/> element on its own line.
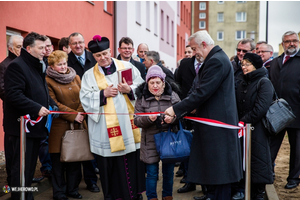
<point x="114" y="138"/>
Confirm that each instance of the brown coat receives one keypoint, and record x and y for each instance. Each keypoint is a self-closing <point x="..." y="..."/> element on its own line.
<point x="67" y="99"/>
<point x="148" y="103"/>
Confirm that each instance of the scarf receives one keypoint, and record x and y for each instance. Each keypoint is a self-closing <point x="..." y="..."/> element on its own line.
<point x="66" y="78"/>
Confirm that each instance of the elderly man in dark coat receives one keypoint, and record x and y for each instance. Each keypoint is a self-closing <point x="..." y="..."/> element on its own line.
<point x="215" y="158"/>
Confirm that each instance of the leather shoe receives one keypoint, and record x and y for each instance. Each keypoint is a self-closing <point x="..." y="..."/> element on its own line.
<point x="201" y="198"/>
<point x="187" y="188"/>
<point x="93" y="188"/>
<point x="37" y="180"/>
<point x="238" y="196"/>
<point x="75" y="195"/>
<point x="179" y="173"/>
<point x="291" y="184"/>
<point x="183" y="180"/>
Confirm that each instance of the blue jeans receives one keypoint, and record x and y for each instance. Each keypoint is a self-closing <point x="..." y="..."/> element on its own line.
<point x="151" y="179"/>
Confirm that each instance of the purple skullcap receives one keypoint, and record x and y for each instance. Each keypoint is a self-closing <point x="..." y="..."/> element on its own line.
<point x="155" y="71"/>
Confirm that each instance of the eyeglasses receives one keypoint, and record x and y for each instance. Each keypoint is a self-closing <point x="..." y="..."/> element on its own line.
<point x="126" y="48"/>
<point x="79" y="43"/>
<point x="258" y="52"/>
<point x="246" y="65"/>
<point x="244" y="51"/>
<point x="290" y="41"/>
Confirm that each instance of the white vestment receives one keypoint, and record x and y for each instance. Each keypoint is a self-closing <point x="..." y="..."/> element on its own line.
<point x="90" y="100"/>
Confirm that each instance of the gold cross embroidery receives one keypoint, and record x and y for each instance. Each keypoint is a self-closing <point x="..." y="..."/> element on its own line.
<point x="114" y="132"/>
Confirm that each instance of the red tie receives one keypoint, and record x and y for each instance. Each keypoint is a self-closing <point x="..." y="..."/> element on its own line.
<point x="286" y="58"/>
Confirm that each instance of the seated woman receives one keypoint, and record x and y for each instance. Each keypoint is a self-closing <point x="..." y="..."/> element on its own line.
<point x="155" y="95"/>
<point x="64" y="87"/>
<point x="253" y="101"/>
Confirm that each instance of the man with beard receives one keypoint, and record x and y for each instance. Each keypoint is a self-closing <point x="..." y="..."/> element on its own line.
<point x="284" y="74"/>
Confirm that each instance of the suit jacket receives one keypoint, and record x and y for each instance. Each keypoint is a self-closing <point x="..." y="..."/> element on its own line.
<point x="75" y="64"/>
<point x="215" y="152"/>
<point x="26" y="92"/>
<point x="185" y="75"/>
<point x="285" y="78"/>
<point x="3" y="67"/>
<point x="138" y="65"/>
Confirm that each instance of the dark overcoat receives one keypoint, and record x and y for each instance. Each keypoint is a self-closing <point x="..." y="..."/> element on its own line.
<point x="286" y="81"/>
<point x="67" y="99"/>
<point x="3" y="66"/>
<point x="75" y="64"/>
<point x="26" y="92"/>
<point x="185" y="75"/>
<point x="253" y="101"/>
<point x="215" y="152"/>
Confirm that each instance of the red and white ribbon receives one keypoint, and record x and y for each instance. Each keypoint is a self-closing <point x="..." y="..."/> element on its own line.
<point x="212" y="122"/>
<point x="32" y="122"/>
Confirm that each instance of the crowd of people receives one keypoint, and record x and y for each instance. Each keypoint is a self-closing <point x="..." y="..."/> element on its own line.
<point x="35" y="79"/>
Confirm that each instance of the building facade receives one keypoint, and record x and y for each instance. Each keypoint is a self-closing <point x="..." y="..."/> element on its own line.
<point x="154" y="23"/>
<point x="227" y="21"/>
<point x="56" y="19"/>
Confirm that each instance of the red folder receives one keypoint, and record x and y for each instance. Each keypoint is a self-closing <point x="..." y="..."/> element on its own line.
<point x="127" y="74"/>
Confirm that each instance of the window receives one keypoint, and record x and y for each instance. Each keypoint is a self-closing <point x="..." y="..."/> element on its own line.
<point x="241" y="16"/>
<point x="168" y="27"/>
<point x="220" y="2"/>
<point x="220" y="17"/>
<point x="220" y="35"/>
<point x="148" y="15"/>
<point x="108" y="6"/>
<point x="239" y="35"/>
<point x="172" y="33"/>
<point x="162" y="24"/>
<point x="202" y="15"/>
<point x="155" y="19"/>
<point x="138" y="12"/>
<point x="201" y="24"/>
<point x="202" y="6"/>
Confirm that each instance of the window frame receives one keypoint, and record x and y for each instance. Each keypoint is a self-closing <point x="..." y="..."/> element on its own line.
<point x="203" y="7"/>
<point x="243" y="17"/>
<point x="243" y="33"/>
<point x="220" y="39"/>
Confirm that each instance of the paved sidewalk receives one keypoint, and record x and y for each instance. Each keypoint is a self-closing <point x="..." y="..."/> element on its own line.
<point x="45" y="190"/>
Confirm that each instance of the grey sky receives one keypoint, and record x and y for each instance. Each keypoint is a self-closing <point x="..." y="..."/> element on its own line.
<point x="283" y="16"/>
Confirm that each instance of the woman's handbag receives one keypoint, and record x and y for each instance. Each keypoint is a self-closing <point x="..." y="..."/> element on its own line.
<point x="279" y="115"/>
<point x="75" y="145"/>
<point x="173" y="147"/>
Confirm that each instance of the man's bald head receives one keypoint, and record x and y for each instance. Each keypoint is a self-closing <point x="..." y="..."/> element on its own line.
<point x="142" y="49"/>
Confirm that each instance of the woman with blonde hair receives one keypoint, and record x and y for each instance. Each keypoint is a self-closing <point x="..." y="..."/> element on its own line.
<point x="64" y="87"/>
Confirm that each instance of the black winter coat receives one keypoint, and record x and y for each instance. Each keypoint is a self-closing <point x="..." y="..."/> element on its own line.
<point x="286" y="80"/>
<point x="185" y="75"/>
<point x="253" y="102"/>
<point x="3" y="66"/>
<point x="215" y="152"/>
<point x="75" y="64"/>
<point x="26" y="92"/>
